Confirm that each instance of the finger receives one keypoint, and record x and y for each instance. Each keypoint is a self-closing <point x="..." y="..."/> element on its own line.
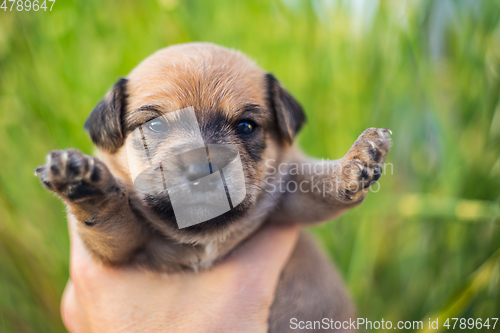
<point x="72" y="312"/>
<point x="77" y="250"/>
<point x="82" y="269"/>
<point x="261" y="259"/>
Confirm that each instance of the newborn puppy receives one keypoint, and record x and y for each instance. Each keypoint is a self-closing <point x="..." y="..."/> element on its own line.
<point x="235" y="104"/>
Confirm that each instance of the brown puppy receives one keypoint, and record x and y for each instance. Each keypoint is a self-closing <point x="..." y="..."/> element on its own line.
<point x="235" y="103"/>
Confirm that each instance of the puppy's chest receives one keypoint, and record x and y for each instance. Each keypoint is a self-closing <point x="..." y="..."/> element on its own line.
<point x="206" y="255"/>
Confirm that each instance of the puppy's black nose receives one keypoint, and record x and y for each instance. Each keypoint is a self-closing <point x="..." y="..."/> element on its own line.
<point x="200" y="178"/>
<point x="196" y="171"/>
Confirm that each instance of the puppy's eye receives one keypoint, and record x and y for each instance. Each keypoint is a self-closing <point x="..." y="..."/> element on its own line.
<point x="246" y="127"/>
<point x="157" y="125"/>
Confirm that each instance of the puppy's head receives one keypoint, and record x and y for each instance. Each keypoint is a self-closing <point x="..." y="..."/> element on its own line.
<point x="231" y="101"/>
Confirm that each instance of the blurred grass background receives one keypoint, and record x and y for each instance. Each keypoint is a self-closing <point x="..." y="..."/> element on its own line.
<point x="426" y="245"/>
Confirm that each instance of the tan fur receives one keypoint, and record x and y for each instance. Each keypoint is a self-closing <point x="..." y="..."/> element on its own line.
<point x="118" y="227"/>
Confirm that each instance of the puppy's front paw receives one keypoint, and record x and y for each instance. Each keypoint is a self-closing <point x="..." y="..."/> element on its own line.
<point x="363" y="164"/>
<point x="74" y="175"/>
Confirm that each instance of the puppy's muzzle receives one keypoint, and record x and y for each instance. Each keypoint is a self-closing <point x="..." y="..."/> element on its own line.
<point x="202" y="180"/>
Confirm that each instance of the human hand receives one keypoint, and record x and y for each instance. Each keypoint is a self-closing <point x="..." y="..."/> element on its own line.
<point x="233" y="296"/>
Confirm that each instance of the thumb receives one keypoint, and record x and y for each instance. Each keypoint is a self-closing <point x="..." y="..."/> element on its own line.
<point x="262" y="258"/>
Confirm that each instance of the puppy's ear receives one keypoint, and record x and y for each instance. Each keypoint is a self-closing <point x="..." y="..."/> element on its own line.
<point x="104" y="123"/>
<point x="289" y="113"/>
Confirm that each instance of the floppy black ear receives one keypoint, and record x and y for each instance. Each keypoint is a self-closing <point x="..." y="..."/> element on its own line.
<point x="104" y="123"/>
<point x="289" y="113"/>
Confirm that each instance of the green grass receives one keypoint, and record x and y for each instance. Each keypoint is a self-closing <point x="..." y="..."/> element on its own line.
<point x="426" y="245"/>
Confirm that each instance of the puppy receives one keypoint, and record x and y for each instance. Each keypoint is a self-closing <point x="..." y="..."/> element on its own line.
<point x="236" y="104"/>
